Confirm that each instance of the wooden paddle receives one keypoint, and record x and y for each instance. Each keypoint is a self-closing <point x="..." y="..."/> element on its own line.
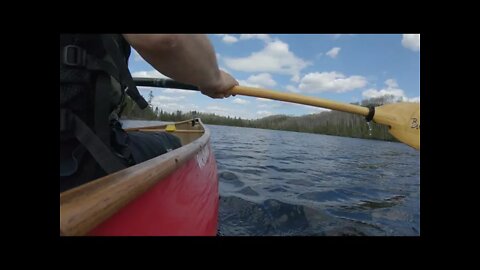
<point x="403" y="119"/>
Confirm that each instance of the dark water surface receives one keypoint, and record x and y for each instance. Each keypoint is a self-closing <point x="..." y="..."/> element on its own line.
<point x="288" y="183"/>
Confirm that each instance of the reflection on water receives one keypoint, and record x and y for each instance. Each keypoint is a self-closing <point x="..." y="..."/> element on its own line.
<point x="287" y="183"/>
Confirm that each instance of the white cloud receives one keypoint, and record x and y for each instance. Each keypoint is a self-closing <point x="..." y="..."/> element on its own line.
<point x="178" y="91"/>
<point x="240" y="101"/>
<point x="262" y="79"/>
<point x="229" y="39"/>
<point x="149" y="74"/>
<point x="170" y="107"/>
<point x="270" y="105"/>
<point x="219" y="110"/>
<point x="391" y="83"/>
<point x="159" y="98"/>
<point x="246" y="83"/>
<point x="264" y="37"/>
<point x="374" y="93"/>
<point x="228" y="111"/>
<point x="391" y="89"/>
<point x="411" y="41"/>
<point x="274" y="58"/>
<point x="333" y="52"/>
<point x="264" y="113"/>
<point x="292" y="88"/>
<point x="330" y="81"/>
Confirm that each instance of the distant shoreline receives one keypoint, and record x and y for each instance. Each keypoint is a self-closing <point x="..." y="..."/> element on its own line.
<point x="232" y="125"/>
<point x="333" y="123"/>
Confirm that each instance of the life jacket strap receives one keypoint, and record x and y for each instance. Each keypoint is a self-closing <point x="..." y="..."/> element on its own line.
<point x="104" y="156"/>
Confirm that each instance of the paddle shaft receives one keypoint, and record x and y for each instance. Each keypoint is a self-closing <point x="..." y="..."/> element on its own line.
<point x="402" y="119"/>
<point x="261" y="93"/>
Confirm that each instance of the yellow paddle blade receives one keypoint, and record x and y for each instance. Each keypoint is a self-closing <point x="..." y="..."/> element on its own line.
<point x="403" y="120"/>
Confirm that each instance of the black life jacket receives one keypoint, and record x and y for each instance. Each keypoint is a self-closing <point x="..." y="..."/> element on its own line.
<point x="94" y="78"/>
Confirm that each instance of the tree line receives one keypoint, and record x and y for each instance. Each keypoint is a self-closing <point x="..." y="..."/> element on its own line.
<point x="328" y="122"/>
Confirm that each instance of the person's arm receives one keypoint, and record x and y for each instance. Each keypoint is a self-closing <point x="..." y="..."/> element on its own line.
<point x="186" y="58"/>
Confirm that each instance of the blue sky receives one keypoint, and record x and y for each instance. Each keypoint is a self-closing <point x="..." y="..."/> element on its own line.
<point x="346" y="68"/>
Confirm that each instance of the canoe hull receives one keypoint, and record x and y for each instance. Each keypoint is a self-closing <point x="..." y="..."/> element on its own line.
<point x="183" y="203"/>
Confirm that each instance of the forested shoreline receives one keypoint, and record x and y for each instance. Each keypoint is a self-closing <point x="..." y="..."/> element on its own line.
<point x="328" y="122"/>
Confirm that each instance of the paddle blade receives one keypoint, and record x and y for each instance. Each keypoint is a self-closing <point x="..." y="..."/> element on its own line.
<point x="403" y="120"/>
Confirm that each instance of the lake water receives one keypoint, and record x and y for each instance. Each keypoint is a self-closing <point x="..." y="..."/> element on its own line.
<point x="288" y="183"/>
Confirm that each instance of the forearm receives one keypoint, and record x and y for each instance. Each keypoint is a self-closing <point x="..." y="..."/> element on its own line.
<point x="186" y="58"/>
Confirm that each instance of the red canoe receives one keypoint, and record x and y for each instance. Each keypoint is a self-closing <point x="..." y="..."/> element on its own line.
<point x="172" y="194"/>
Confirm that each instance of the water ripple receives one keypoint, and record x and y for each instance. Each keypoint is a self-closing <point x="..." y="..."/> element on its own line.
<point x="288" y="183"/>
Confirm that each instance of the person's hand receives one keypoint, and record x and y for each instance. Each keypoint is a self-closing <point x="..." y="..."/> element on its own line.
<point x="221" y="88"/>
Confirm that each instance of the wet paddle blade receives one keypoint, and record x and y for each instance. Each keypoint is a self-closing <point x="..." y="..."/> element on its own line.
<point x="403" y="120"/>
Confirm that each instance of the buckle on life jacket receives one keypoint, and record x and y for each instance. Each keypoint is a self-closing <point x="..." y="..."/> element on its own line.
<point x="74" y="56"/>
